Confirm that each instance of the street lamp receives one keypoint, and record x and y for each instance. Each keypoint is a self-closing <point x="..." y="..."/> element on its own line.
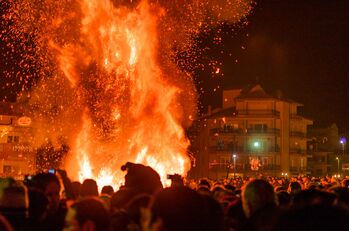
<point x="342" y="142"/>
<point x="256" y="144"/>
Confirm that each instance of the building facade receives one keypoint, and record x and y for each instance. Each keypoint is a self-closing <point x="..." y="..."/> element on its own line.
<point x="17" y="155"/>
<point x="253" y="133"/>
<point x="327" y="154"/>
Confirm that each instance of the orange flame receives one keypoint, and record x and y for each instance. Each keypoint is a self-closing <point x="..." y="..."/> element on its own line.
<point x="122" y="98"/>
<point x="143" y="129"/>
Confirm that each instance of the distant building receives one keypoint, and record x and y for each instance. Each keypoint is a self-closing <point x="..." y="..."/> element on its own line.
<point x="17" y="155"/>
<point x="326" y="154"/>
<point x="253" y="133"/>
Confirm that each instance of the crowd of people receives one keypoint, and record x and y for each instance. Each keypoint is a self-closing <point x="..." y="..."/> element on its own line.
<point x="50" y="201"/>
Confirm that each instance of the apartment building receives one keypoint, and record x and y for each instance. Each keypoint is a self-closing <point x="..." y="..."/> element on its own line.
<point x="252" y="133"/>
<point x="327" y="154"/>
<point x="17" y="155"/>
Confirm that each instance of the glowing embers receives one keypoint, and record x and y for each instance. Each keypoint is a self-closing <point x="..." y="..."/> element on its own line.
<point x="131" y="111"/>
<point x="109" y="86"/>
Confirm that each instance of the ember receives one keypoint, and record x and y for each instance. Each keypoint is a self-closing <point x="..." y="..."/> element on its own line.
<point x="114" y="93"/>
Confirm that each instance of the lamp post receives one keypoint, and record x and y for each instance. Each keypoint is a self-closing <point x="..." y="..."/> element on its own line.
<point x="342" y="142"/>
<point x="234" y="156"/>
<point x="228" y="169"/>
<point x="337" y="158"/>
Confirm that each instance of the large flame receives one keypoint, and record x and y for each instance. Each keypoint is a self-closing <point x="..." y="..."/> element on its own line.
<point x="109" y="87"/>
<point x="140" y="115"/>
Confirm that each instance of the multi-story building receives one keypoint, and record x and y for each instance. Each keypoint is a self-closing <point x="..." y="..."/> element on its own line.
<point x="17" y="155"/>
<point x="253" y="133"/>
<point x="327" y="153"/>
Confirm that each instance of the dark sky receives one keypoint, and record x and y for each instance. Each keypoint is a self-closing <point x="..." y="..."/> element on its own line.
<point x="297" y="46"/>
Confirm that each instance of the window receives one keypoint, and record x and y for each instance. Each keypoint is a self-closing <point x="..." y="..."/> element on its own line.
<point x="16" y="139"/>
<point x="220" y="145"/>
<point x="227" y="128"/>
<point x="9" y="139"/>
<point x="258" y="127"/>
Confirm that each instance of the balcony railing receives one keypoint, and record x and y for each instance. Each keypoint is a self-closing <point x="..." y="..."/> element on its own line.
<point x="226" y="166"/>
<point x="252" y="150"/>
<point x="274" y="149"/>
<point x="249" y="131"/>
<point x="240" y="149"/>
<point x="227" y="130"/>
<point x="297" y="150"/>
<point x="297" y="169"/>
<point x="15" y="150"/>
<point x="297" y="134"/>
<point x="225" y="148"/>
<point x="296" y="116"/>
<point x="259" y="113"/>
<point x="263" y="131"/>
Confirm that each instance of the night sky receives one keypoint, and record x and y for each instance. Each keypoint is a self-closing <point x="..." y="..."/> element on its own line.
<point x="297" y="46"/>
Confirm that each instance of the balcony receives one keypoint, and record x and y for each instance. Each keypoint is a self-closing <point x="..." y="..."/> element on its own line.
<point x="16" y="150"/>
<point x="239" y="131"/>
<point x="224" y="166"/>
<point x="267" y="131"/>
<point x="242" y="148"/>
<point x="259" y="113"/>
<point x="274" y="149"/>
<point x="225" y="148"/>
<point x="271" y="150"/>
<point x="295" y="116"/>
<point x="297" y="169"/>
<point x="297" y="150"/>
<point x="226" y="130"/>
<point x="297" y="134"/>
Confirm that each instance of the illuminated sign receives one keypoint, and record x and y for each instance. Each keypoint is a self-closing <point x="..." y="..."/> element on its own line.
<point x="24" y="121"/>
